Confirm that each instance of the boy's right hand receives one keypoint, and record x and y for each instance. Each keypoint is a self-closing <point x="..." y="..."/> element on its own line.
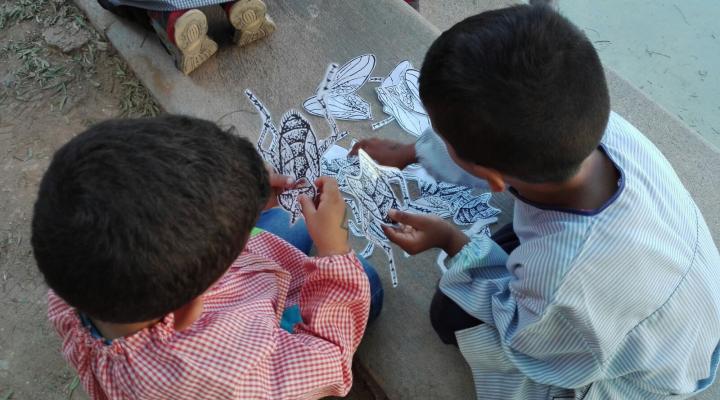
<point x="418" y="232"/>
<point x="387" y="152"/>
<point x="326" y="221"/>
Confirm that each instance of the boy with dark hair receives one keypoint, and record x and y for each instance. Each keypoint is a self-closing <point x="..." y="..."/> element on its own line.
<point x="606" y="285"/>
<point x="162" y="289"/>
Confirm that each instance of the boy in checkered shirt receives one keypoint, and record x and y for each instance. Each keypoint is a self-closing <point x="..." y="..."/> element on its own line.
<point x="182" y="26"/>
<point x="163" y="284"/>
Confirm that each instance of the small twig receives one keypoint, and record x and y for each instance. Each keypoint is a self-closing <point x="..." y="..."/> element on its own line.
<point x="73" y="385"/>
<point x="651" y="52"/>
<point x="681" y="13"/>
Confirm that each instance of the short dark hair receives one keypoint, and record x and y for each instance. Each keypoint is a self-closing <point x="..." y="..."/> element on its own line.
<point x="137" y="217"/>
<point x="520" y="90"/>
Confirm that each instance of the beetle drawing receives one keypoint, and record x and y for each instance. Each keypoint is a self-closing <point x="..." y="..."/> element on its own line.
<point x="372" y="196"/>
<point x="370" y="186"/>
<point x="294" y="150"/>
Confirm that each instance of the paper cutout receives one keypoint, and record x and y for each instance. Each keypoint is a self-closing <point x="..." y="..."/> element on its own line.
<point x="373" y="197"/>
<point x="435" y="197"/>
<point x="448" y="200"/>
<point x="400" y="95"/>
<point x="339" y="87"/>
<point x="479" y="227"/>
<point x="294" y="151"/>
<point x="476" y="209"/>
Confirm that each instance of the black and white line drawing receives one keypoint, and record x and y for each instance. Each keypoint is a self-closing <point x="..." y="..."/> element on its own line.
<point x="448" y="200"/>
<point x="475" y="209"/>
<point x="339" y="91"/>
<point x="400" y="95"/>
<point x="294" y="150"/>
<point x="373" y="197"/>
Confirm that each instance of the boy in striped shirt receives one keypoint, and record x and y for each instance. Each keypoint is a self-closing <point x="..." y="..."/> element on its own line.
<point x="607" y="284"/>
<point x="160" y="287"/>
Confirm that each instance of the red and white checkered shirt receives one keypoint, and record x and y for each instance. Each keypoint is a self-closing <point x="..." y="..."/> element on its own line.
<point x="236" y="348"/>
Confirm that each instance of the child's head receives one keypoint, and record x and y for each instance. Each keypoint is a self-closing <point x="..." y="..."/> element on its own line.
<point x="520" y="90"/>
<point x="137" y="217"/>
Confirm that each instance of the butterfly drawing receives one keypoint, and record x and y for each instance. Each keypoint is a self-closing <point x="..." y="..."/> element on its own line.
<point x="339" y="91"/>
<point x="400" y="95"/>
<point x="294" y="151"/>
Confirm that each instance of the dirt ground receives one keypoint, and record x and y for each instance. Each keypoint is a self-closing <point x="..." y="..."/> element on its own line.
<point x="46" y="97"/>
<point x="57" y="76"/>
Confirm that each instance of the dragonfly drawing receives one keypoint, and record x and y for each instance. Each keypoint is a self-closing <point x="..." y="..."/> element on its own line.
<point x="370" y="186"/>
<point x="400" y="95"/>
<point x="339" y="91"/>
<point x="294" y="150"/>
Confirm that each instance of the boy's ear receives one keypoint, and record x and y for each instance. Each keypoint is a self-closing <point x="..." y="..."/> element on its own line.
<point x="494" y="178"/>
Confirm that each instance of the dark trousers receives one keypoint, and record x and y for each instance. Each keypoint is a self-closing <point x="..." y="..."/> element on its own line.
<point x="134" y="14"/>
<point x="446" y="316"/>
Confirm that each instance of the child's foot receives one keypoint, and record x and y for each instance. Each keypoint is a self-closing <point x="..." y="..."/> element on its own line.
<point x="250" y="19"/>
<point x="184" y="33"/>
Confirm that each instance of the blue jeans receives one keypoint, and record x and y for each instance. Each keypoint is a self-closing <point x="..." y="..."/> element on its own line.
<point x="277" y="222"/>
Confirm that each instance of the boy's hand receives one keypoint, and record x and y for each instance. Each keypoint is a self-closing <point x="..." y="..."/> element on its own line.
<point x="418" y="233"/>
<point x="326" y="221"/>
<point x="278" y="184"/>
<point x="387" y="152"/>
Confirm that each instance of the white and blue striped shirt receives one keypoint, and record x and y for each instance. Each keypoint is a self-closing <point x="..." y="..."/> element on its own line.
<point x="166" y="5"/>
<point x="618" y="303"/>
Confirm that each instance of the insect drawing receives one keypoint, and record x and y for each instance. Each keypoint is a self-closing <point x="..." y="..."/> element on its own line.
<point x="372" y="198"/>
<point x="400" y="95"/>
<point x="449" y="200"/>
<point x="294" y="150"/>
<point x="339" y="91"/>
<point x="477" y="208"/>
<point x="439" y="198"/>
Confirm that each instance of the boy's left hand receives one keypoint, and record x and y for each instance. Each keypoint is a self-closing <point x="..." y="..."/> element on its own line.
<point x="418" y="233"/>
<point x="278" y="184"/>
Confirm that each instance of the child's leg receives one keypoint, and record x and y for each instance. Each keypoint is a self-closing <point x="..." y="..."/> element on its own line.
<point x="376" y="289"/>
<point x="506" y="238"/>
<point x="447" y="317"/>
<point x="277" y="221"/>
<point x="137" y="15"/>
<point x="250" y="20"/>
<point x="184" y="34"/>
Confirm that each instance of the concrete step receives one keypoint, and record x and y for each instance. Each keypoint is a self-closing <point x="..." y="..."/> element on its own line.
<point x="400" y="350"/>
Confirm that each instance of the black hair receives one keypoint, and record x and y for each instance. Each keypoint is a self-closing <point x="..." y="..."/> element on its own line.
<point x="520" y="90"/>
<point x="137" y="217"/>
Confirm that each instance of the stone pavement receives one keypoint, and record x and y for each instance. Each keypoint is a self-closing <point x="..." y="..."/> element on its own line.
<point x="400" y="350"/>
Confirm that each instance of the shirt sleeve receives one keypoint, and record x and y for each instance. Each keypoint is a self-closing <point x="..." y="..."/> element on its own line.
<point x="548" y="348"/>
<point x="64" y="320"/>
<point x="433" y="155"/>
<point x="316" y="360"/>
<point x="268" y="245"/>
